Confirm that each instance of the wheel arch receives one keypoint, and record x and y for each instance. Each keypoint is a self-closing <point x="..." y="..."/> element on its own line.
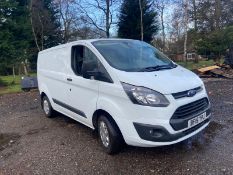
<point x="43" y="90"/>
<point x="42" y="95"/>
<point x="100" y="112"/>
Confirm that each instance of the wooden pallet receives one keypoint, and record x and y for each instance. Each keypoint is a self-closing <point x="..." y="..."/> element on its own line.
<point x="209" y="68"/>
<point x="220" y="71"/>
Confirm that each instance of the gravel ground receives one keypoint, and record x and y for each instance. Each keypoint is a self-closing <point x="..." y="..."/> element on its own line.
<point x="33" y="144"/>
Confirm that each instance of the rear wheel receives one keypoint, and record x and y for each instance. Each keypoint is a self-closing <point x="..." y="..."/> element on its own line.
<point x="47" y="107"/>
<point x="109" y="135"/>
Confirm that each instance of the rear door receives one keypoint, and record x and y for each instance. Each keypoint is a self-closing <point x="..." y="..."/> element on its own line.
<point x="82" y="93"/>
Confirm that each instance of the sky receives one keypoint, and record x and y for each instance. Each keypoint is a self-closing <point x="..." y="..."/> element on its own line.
<point x="97" y="15"/>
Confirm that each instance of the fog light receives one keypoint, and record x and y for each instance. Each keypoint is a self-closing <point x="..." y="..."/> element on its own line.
<point x="157" y="133"/>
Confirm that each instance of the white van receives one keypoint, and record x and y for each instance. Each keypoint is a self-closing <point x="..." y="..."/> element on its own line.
<point x="125" y="89"/>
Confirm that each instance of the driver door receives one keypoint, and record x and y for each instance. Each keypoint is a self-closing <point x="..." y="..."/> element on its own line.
<point x="82" y="93"/>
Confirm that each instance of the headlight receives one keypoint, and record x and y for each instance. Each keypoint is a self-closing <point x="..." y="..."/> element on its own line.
<point x="145" y="96"/>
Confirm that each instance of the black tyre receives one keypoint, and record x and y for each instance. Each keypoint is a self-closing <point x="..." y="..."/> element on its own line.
<point x="47" y="107"/>
<point x="109" y="134"/>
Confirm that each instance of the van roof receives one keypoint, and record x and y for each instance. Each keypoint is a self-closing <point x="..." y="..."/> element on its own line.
<point x="77" y="42"/>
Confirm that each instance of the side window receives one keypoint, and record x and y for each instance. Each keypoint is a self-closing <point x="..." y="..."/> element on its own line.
<point x="89" y="55"/>
<point x="77" y="54"/>
<point x="81" y="55"/>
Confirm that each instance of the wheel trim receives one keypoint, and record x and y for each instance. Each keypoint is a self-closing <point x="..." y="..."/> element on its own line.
<point x="104" y="134"/>
<point x="46" y="107"/>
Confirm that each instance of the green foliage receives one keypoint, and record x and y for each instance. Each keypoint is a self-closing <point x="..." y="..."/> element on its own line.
<point x="15" y="33"/>
<point x="54" y="36"/>
<point x="16" y="38"/>
<point x="7" y="50"/>
<point x="211" y="31"/>
<point x="129" y="20"/>
<point x="45" y="14"/>
<point x="216" y="42"/>
<point x="214" y="14"/>
<point x="46" y="24"/>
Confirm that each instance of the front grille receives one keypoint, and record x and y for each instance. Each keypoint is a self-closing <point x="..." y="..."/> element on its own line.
<point x="185" y="93"/>
<point x="191" y="109"/>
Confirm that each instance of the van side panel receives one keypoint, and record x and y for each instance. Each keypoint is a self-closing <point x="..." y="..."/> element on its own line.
<point x="52" y="68"/>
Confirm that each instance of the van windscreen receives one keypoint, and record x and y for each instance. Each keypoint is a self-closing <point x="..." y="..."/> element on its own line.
<point x="132" y="55"/>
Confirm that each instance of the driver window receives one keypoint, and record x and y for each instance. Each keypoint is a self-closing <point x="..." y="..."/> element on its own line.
<point x="89" y="55"/>
<point x="82" y="54"/>
<point x="77" y="54"/>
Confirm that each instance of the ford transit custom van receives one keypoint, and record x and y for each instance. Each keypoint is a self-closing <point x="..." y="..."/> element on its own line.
<point x="127" y="90"/>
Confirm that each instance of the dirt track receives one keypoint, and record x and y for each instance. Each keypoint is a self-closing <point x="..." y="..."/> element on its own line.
<point x="33" y="144"/>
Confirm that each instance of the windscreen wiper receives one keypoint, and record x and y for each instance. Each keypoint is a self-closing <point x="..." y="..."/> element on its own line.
<point x="157" y="68"/>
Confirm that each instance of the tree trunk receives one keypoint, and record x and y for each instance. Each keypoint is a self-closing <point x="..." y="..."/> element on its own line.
<point x="25" y="69"/>
<point x="163" y="28"/>
<point x="196" y="60"/>
<point x="42" y="32"/>
<point x="186" y="29"/>
<point x="33" y="30"/>
<point x="19" y="69"/>
<point x="13" y="71"/>
<point x="141" y="10"/>
<point x="107" y="18"/>
<point x="217" y="13"/>
<point x="64" y="20"/>
<point x="195" y="15"/>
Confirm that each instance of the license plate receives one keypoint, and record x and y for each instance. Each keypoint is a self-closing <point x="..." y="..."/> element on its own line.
<point x="195" y="121"/>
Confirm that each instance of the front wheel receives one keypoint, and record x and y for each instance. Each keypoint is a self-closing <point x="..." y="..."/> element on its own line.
<point x="109" y="135"/>
<point x="47" y="107"/>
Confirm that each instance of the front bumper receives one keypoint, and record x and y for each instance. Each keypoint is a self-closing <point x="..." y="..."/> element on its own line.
<point x="160" y="134"/>
<point x="179" y="123"/>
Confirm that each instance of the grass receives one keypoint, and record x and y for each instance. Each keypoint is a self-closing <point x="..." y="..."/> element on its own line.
<point x="202" y="63"/>
<point x="9" y="85"/>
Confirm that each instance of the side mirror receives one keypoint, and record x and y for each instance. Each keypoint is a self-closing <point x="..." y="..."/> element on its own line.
<point x="89" y="70"/>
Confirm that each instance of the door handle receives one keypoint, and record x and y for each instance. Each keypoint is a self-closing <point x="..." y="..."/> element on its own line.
<point x="69" y="79"/>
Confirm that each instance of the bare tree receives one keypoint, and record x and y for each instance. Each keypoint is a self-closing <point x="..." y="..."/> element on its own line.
<point x="176" y="26"/>
<point x="107" y="10"/>
<point x="176" y="29"/>
<point x="74" y="22"/>
<point x="69" y="17"/>
<point x="160" y="5"/>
